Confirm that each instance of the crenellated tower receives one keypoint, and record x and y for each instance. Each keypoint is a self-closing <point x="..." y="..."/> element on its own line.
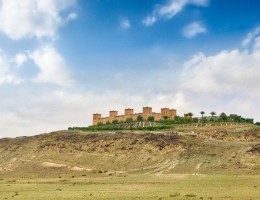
<point x="96" y="118"/>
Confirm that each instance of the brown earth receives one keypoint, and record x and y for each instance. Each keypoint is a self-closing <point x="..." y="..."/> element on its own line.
<point x="204" y="150"/>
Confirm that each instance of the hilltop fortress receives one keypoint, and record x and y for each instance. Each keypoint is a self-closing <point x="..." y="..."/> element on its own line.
<point x="129" y="114"/>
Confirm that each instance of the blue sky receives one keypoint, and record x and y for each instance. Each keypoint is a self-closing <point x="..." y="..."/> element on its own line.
<point x="62" y="60"/>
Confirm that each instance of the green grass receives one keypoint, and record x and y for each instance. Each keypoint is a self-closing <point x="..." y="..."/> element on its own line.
<point x="134" y="187"/>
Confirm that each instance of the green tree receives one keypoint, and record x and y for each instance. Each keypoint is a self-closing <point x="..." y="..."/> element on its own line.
<point x="150" y="119"/>
<point x="165" y="117"/>
<point x="129" y="120"/>
<point x="202" y="113"/>
<point x="108" y="123"/>
<point x="140" y="118"/>
<point x="100" y="124"/>
<point x="204" y="120"/>
<point x="213" y="114"/>
<point x="115" y="121"/>
<point x="249" y="120"/>
<point x="223" y="117"/>
<point x="195" y="120"/>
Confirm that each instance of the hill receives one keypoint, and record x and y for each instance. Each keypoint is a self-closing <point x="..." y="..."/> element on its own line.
<point x="190" y="150"/>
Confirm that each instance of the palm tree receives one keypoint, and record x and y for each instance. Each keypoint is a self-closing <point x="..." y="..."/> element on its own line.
<point x="212" y="114"/>
<point x="202" y="113"/>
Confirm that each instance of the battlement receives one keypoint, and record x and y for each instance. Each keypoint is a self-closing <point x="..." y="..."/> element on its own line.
<point x="129" y="114"/>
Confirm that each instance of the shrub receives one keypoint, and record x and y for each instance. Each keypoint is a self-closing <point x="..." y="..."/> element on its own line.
<point x="129" y="120"/>
<point x="115" y="121"/>
<point x="165" y="117"/>
<point x="223" y="117"/>
<point x="139" y="118"/>
<point x="150" y="119"/>
<point x="100" y="124"/>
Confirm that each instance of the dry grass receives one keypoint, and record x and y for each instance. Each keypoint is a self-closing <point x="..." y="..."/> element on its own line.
<point x="134" y="187"/>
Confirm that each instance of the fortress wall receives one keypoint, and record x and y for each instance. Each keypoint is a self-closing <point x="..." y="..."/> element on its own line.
<point x="103" y="120"/>
<point x="147" y="111"/>
<point x="157" y="116"/>
<point x="120" y="118"/>
<point x="134" y="116"/>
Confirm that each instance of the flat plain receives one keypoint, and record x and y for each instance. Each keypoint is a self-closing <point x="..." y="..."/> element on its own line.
<point x="170" y="186"/>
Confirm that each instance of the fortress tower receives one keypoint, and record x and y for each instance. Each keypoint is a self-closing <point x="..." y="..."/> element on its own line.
<point x="165" y="111"/>
<point x="96" y="118"/>
<point x="112" y="115"/>
<point x="172" y="113"/>
<point x="129" y="112"/>
<point x="147" y="111"/>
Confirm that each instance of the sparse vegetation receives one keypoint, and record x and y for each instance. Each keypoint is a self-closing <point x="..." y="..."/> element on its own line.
<point x="135" y="187"/>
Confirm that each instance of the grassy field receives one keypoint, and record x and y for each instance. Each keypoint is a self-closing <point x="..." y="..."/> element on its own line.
<point x="135" y="187"/>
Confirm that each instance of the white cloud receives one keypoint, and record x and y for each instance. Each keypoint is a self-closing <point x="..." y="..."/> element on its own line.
<point x="43" y="110"/>
<point x="149" y="20"/>
<point x="72" y="16"/>
<point x="125" y="24"/>
<point x="194" y="29"/>
<point x="20" y="58"/>
<point x="172" y="8"/>
<point x="53" y="68"/>
<point x="225" y="82"/>
<point x="250" y="36"/>
<point x="6" y="76"/>
<point x="257" y="43"/>
<point x="32" y="18"/>
<point x="224" y="73"/>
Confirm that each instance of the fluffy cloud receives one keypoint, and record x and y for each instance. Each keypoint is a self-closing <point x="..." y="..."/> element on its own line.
<point x="72" y="16"/>
<point x="32" y="18"/>
<point x="6" y="76"/>
<point x="250" y="36"/>
<point x="194" y="29"/>
<point x="225" y="82"/>
<point x="228" y="81"/>
<point x="53" y="68"/>
<point x="20" y="58"/>
<point x="45" y="110"/>
<point x="125" y="24"/>
<point x="226" y="72"/>
<point x="257" y="43"/>
<point x="172" y="8"/>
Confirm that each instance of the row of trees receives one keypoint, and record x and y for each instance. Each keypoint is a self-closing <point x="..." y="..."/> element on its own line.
<point x="129" y="120"/>
<point x="190" y="114"/>
<point x="113" y="128"/>
<point x="223" y="117"/>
